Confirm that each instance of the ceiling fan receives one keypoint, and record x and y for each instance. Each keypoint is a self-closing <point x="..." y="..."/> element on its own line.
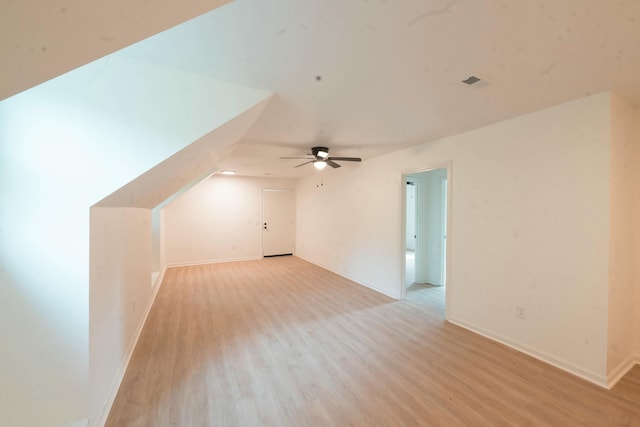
<point x="319" y="156"/>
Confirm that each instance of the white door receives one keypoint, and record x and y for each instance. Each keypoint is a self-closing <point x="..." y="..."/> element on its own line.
<point x="277" y="222"/>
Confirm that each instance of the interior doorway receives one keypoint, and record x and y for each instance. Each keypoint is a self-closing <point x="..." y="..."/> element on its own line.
<point x="425" y="227"/>
<point x="410" y="231"/>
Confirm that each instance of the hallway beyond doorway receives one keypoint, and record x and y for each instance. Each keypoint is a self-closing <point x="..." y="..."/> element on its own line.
<point x="410" y="268"/>
<point x="431" y="296"/>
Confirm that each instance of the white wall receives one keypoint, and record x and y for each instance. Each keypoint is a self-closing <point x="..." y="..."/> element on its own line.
<point x="65" y="145"/>
<point x="157" y="236"/>
<point x="529" y="226"/>
<point x="411" y="217"/>
<point x="623" y="266"/>
<point x="218" y="220"/>
<point x="120" y="238"/>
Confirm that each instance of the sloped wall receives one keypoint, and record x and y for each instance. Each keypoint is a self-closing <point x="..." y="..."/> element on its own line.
<point x="41" y="40"/>
<point x="64" y="146"/>
<point x="120" y="287"/>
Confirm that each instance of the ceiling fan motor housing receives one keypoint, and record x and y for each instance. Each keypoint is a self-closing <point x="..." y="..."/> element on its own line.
<point x="322" y="152"/>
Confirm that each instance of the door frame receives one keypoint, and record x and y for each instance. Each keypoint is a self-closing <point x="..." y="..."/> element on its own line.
<point x="403" y="230"/>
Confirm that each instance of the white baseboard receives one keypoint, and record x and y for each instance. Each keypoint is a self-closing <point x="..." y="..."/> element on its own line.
<point x="347" y="276"/>
<point x="621" y="370"/>
<point x="212" y="261"/>
<point x="599" y="380"/>
<point x="154" y="278"/>
<point x="157" y="279"/>
<point x="101" y="419"/>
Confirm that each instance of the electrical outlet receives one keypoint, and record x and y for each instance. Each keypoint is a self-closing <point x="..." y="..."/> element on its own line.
<point x="520" y="313"/>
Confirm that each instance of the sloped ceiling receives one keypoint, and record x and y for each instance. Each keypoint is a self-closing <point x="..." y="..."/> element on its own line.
<point x="187" y="167"/>
<point x="40" y="40"/>
<point x="372" y="76"/>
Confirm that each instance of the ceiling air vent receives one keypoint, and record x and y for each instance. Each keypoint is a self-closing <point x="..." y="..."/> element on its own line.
<point x="471" y="80"/>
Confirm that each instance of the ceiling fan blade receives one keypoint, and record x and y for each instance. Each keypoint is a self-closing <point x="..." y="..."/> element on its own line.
<point x="332" y="163"/>
<point x="305" y="163"/>
<point x="308" y="157"/>
<point x="346" y="159"/>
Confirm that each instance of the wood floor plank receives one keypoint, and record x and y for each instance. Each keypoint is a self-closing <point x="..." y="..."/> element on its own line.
<point x="282" y="342"/>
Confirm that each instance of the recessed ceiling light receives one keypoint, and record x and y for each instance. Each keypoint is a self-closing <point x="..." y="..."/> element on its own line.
<point x="228" y="172"/>
<point x="471" y="80"/>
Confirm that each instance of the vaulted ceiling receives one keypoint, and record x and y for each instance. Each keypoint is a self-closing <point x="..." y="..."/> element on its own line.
<point x="368" y="77"/>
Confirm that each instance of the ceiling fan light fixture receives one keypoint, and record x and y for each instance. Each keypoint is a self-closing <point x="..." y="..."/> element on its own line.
<point x="320" y="158"/>
<point x="320" y="164"/>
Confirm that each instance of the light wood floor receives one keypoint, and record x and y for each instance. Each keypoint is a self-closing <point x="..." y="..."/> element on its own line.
<point x="281" y="342"/>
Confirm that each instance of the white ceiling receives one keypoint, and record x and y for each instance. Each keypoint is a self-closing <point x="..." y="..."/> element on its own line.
<point x="372" y="76"/>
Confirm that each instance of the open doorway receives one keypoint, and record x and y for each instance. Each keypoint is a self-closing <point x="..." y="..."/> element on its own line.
<point x="410" y="231"/>
<point x="425" y="209"/>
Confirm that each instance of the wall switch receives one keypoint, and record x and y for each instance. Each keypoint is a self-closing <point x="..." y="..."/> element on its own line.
<point x="520" y="314"/>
